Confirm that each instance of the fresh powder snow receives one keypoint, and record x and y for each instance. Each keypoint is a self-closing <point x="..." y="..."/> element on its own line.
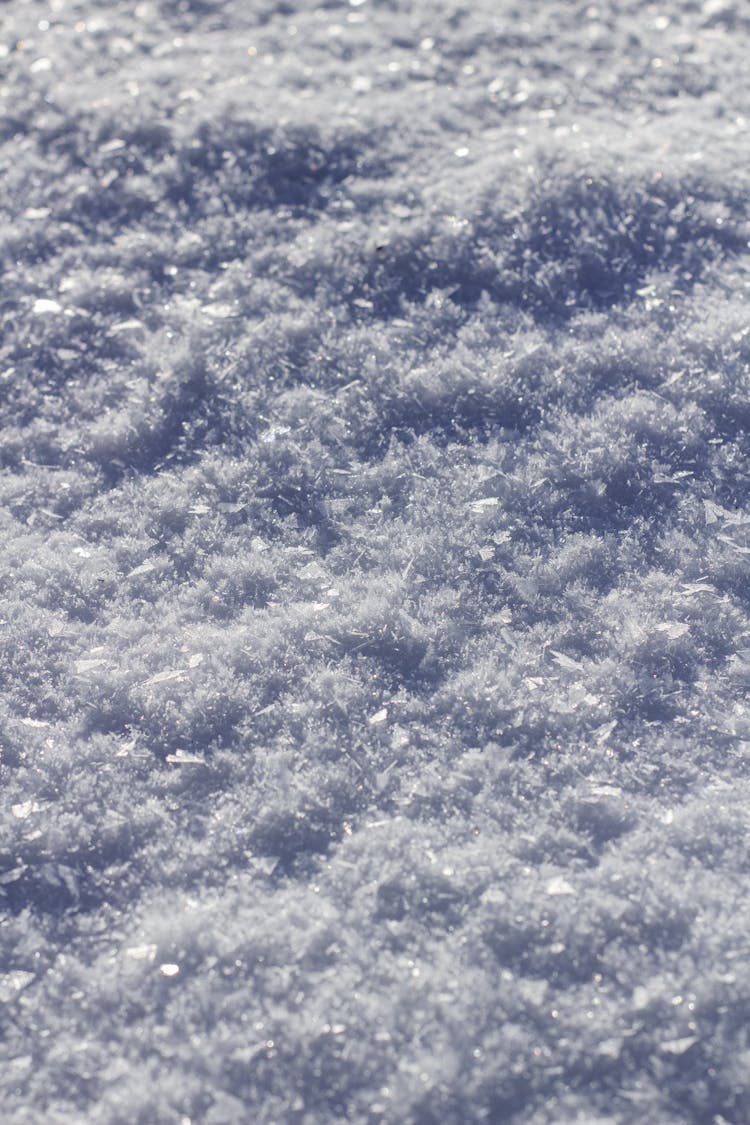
<point x="375" y="562"/>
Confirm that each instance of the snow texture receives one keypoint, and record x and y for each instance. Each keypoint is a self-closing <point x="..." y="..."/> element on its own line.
<point x="375" y="620"/>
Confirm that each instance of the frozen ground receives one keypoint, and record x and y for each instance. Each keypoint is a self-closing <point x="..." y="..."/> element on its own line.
<point x="375" y="551"/>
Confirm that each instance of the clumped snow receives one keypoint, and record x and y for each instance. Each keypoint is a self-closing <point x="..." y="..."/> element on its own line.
<point x="375" y="557"/>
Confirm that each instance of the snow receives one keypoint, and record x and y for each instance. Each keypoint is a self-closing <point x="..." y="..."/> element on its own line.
<point x="374" y="562"/>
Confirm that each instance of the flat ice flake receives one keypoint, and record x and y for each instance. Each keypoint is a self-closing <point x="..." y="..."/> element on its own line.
<point x="605" y="791"/>
<point x="673" y="629"/>
<point x="268" y="437"/>
<point x="12" y="876"/>
<point x="533" y="991"/>
<point x="43" y="305"/>
<point x="740" y="550"/>
<point x="169" y="969"/>
<point x="642" y="997"/>
<point x="24" y="809"/>
<point x="220" y="310"/>
<point x="602" y="733"/>
<point x="379" y="716"/>
<point x="166" y="676"/>
<point x="125" y="748"/>
<point x="312" y="572"/>
<point x="399" y="736"/>
<point x="484" y="503"/>
<point x="265" y="864"/>
<point x="713" y="513"/>
<point x="566" y="661"/>
<point x="20" y="1063"/>
<point x="85" y="665"/>
<point x="609" y="1048"/>
<point x="144" y="568"/>
<point x="559" y="886"/>
<point x="141" y="952"/>
<point x="12" y="983"/>
<point x="691" y="588"/>
<point x="678" y="1046"/>
<point x="36" y="723"/>
<point x="196" y="659"/>
<point x="183" y="758"/>
<point x="245" y="1055"/>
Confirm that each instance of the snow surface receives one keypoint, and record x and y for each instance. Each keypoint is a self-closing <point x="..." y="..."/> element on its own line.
<point x="375" y="620"/>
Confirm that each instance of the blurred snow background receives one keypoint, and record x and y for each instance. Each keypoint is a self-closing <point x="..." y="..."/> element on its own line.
<point x="375" y="628"/>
